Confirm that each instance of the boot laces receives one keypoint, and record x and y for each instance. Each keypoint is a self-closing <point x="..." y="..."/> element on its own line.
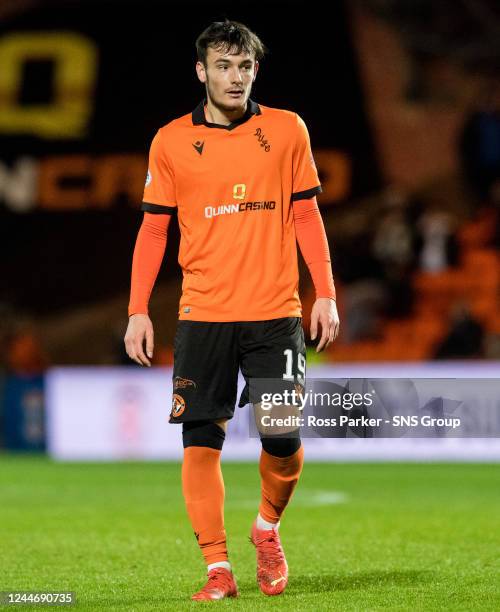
<point x="218" y="579"/>
<point x="270" y="550"/>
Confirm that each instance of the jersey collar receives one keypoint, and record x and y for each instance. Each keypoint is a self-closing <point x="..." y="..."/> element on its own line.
<point x="198" y="116"/>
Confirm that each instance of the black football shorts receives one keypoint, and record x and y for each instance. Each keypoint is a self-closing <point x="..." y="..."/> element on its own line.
<point x="208" y="356"/>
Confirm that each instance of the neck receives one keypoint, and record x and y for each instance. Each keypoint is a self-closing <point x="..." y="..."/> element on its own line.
<point x="214" y="114"/>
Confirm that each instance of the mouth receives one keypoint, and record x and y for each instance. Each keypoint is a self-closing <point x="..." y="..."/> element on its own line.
<point x="235" y="93"/>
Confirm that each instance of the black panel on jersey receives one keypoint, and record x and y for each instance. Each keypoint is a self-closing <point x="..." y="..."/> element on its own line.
<point x="305" y="195"/>
<point x="158" y="209"/>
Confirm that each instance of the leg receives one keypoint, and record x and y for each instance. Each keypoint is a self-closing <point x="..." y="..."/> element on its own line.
<point x="204" y="385"/>
<point x="274" y="357"/>
<point x="281" y="462"/>
<point x="280" y="466"/>
<point x="203" y="490"/>
<point x="203" y="487"/>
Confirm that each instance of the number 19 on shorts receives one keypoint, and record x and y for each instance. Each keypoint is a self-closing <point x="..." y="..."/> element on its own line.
<point x="301" y="367"/>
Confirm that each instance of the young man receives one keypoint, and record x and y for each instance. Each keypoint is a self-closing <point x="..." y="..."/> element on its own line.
<point x="242" y="180"/>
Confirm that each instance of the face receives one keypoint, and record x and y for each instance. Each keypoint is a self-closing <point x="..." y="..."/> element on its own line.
<point x="228" y="78"/>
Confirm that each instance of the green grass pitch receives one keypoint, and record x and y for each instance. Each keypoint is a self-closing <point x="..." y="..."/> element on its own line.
<point x="357" y="536"/>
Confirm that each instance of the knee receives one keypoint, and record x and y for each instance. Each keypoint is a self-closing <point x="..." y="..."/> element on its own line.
<point x="279" y="446"/>
<point x="203" y="433"/>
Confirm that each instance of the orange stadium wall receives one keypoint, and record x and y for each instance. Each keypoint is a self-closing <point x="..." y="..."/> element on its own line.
<point x="416" y="140"/>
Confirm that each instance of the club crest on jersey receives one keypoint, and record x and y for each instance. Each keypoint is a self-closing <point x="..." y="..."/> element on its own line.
<point x="198" y="145"/>
<point x="149" y="178"/>
<point x="178" y="405"/>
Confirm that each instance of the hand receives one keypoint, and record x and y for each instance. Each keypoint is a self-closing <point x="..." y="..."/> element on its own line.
<point x="324" y="312"/>
<point x="139" y="327"/>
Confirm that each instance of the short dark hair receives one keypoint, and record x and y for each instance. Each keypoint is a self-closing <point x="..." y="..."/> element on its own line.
<point x="227" y="35"/>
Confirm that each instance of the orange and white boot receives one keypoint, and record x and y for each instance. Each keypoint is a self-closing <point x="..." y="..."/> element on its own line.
<point x="272" y="568"/>
<point x="220" y="584"/>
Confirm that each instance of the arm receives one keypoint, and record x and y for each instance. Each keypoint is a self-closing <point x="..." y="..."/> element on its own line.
<point x="148" y="255"/>
<point x="313" y="245"/>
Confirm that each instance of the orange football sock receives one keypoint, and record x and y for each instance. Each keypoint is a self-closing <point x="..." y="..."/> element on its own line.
<point x="203" y="490"/>
<point x="279" y="475"/>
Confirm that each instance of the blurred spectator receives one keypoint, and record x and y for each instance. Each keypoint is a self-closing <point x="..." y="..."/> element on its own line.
<point x="364" y="301"/>
<point x="465" y="336"/>
<point x="437" y="246"/>
<point x="393" y="242"/>
<point x="24" y="353"/>
<point x="480" y="143"/>
<point x="394" y="248"/>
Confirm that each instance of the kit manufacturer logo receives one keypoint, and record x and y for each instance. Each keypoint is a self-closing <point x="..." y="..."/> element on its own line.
<point x="198" y="145"/>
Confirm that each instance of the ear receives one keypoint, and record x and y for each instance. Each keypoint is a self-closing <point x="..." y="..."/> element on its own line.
<point x="201" y="72"/>
<point x="255" y="70"/>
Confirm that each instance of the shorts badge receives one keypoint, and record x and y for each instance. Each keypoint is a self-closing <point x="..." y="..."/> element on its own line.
<point x="178" y="406"/>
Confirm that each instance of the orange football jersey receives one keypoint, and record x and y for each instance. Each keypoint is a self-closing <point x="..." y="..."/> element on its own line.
<point x="233" y="188"/>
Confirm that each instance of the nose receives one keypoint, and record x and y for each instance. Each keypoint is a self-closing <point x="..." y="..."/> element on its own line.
<point x="236" y="76"/>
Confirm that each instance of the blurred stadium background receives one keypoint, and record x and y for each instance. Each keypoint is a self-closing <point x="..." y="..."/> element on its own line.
<point x="402" y="101"/>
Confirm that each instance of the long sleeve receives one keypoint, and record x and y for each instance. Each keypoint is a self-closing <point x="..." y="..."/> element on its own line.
<point x="148" y="255"/>
<point x="313" y="245"/>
